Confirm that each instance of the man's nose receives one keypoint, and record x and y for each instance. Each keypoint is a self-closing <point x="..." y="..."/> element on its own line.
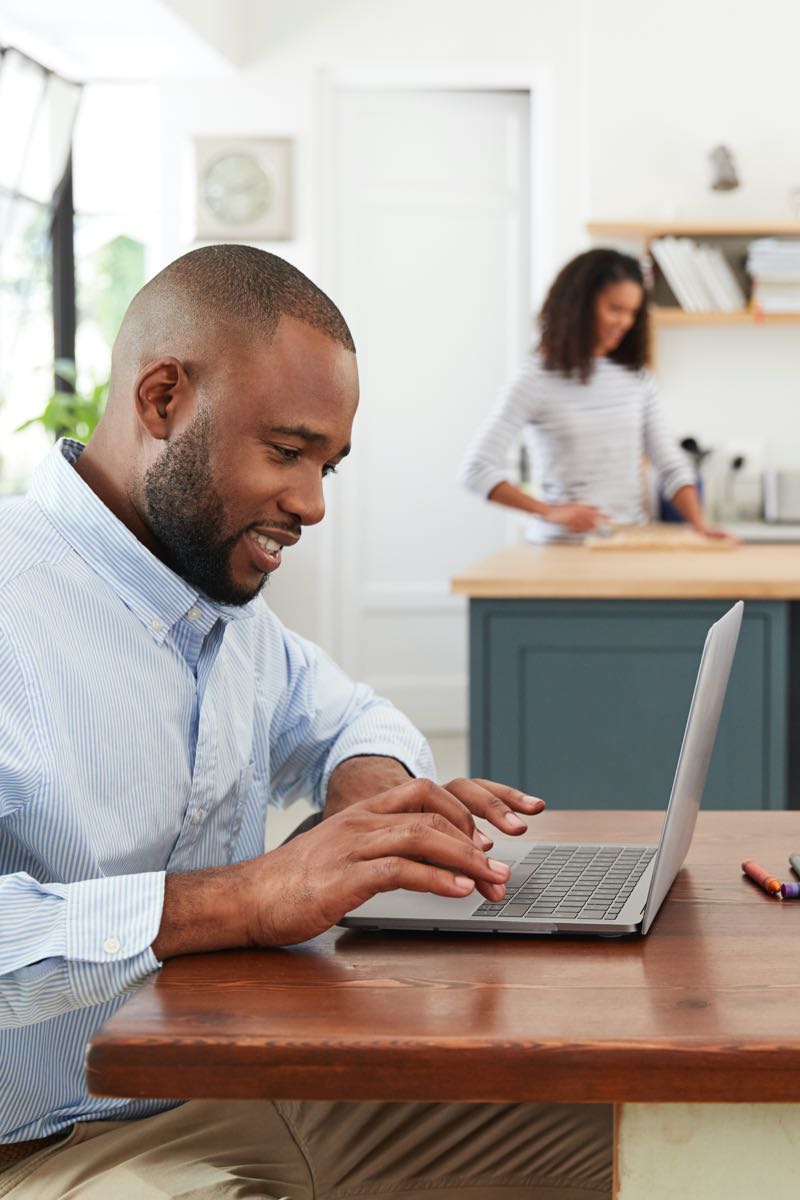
<point x="305" y="501"/>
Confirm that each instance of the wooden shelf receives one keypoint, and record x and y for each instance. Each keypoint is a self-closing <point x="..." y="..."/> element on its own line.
<point x="662" y="315"/>
<point x="699" y="228"/>
<point x="731" y="235"/>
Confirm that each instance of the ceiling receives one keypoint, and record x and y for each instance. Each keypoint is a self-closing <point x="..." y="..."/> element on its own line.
<point x="151" y="39"/>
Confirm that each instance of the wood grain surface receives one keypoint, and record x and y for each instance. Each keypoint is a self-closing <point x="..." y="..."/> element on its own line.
<point x="675" y="538"/>
<point x="705" y="1008"/>
<point x="559" y="572"/>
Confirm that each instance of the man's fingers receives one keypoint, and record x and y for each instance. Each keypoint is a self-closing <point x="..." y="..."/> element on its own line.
<point x="386" y="874"/>
<point x="418" y="839"/>
<point x="460" y="800"/>
<point x="496" y="802"/>
<point x="513" y="797"/>
<point x="423" y="795"/>
<point x="492" y="891"/>
<point x="423" y="824"/>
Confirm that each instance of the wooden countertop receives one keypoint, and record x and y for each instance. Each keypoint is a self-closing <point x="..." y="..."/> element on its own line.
<point x="560" y="572"/>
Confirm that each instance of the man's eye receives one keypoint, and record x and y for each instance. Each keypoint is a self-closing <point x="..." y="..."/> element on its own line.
<point x="328" y="469"/>
<point x="287" y="454"/>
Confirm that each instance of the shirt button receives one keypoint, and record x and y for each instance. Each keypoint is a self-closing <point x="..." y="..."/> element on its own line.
<point x="112" y="945"/>
<point x="156" y="625"/>
<point x="197" y="816"/>
<point x="194" y="613"/>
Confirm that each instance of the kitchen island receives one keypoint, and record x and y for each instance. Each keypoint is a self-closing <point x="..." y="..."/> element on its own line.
<point x="582" y="663"/>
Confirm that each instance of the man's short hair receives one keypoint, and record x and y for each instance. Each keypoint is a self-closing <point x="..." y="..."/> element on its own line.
<point x="243" y="286"/>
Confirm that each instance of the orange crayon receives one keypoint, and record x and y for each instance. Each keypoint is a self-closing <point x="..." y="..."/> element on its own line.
<point x="762" y="878"/>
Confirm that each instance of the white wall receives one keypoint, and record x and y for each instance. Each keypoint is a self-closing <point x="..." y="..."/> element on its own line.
<point x="289" y="44"/>
<point x="664" y="91"/>
<point x="671" y="81"/>
<point x="289" y="48"/>
<point x="642" y="92"/>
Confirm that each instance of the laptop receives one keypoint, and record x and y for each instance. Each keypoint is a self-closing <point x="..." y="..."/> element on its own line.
<point x="584" y="888"/>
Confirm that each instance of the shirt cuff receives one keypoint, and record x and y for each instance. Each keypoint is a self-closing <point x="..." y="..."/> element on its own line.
<point x="111" y="919"/>
<point x="411" y="750"/>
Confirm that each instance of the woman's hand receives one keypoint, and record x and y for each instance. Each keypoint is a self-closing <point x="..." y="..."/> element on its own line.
<point x="577" y="518"/>
<point x="710" y="531"/>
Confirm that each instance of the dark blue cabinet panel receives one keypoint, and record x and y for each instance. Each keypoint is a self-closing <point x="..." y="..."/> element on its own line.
<point x="584" y="702"/>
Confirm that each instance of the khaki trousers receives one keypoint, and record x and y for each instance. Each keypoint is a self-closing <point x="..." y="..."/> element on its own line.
<point x="329" y="1151"/>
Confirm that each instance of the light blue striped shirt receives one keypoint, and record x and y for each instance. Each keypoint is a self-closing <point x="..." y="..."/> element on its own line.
<point x="143" y="730"/>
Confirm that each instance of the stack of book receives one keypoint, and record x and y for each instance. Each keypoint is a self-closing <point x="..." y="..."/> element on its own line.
<point x="699" y="275"/>
<point x="774" y="264"/>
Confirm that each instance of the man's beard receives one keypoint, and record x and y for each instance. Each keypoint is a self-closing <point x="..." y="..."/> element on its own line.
<point x="186" y="513"/>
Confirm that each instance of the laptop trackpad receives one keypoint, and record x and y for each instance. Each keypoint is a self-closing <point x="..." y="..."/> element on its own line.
<point x="420" y="906"/>
<point x="426" y="907"/>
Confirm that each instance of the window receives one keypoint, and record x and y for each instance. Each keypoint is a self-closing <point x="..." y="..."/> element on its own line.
<point x="113" y="176"/>
<point x="34" y="152"/>
<point x="117" y="173"/>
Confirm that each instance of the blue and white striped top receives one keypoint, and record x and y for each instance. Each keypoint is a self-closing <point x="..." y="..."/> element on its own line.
<point x="587" y="441"/>
<point x="143" y="730"/>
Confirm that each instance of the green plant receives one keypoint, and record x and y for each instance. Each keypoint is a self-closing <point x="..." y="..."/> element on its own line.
<point x="73" y="413"/>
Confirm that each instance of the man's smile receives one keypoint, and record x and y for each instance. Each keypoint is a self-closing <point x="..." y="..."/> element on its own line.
<point x="265" y="548"/>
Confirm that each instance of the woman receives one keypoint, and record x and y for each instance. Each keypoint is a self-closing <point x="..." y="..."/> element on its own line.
<point x="589" y="404"/>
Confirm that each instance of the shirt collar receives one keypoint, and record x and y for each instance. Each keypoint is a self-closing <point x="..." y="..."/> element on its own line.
<point x="153" y="592"/>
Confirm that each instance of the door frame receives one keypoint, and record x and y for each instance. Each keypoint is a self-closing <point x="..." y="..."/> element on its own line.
<point x="535" y="80"/>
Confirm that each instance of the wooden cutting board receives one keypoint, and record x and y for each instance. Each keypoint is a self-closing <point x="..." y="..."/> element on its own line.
<point x="657" y="537"/>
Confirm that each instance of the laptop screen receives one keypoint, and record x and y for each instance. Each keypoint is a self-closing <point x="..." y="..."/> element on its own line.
<point x="695" y="756"/>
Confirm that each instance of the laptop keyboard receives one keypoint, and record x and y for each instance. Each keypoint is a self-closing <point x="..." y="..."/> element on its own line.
<point x="571" y="882"/>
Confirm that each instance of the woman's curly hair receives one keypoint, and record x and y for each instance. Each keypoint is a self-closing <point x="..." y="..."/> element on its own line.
<point x="567" y="319"/>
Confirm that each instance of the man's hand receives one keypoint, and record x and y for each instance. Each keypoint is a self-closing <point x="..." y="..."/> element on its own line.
<point x="416" y="836"/>
<point x="365" y="776"/>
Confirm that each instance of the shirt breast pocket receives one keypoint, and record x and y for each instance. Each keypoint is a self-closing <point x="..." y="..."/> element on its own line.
<point x="243" y="843"/>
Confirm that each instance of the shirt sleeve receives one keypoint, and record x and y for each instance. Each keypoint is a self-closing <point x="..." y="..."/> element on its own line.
<point x="95" y="934"/>
<point x="668" y="459"/>
<point x="326" y="718"/>
<point x="487" y="459"/>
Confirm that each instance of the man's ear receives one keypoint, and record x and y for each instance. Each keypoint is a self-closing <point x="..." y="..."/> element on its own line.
<point x="162" y="392"/>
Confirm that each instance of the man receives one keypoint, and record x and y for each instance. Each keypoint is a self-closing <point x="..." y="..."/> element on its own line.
<point x="151" y="705"/>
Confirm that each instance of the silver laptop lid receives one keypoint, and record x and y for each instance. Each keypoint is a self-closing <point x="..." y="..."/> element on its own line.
<point x="695" y="755"/>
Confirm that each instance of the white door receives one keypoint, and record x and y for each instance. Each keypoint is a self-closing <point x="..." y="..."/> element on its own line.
<point x="429" y="262"/>
<point x="430" y="265"/>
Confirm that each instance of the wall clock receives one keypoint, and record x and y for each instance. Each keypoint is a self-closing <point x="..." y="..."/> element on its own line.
<point x="243" y="188"/>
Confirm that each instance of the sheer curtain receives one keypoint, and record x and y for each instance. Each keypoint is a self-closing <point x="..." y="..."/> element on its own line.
<point x="37" y="115"/>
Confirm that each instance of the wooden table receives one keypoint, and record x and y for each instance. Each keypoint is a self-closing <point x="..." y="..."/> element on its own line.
<point x="672" y="1028"/>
